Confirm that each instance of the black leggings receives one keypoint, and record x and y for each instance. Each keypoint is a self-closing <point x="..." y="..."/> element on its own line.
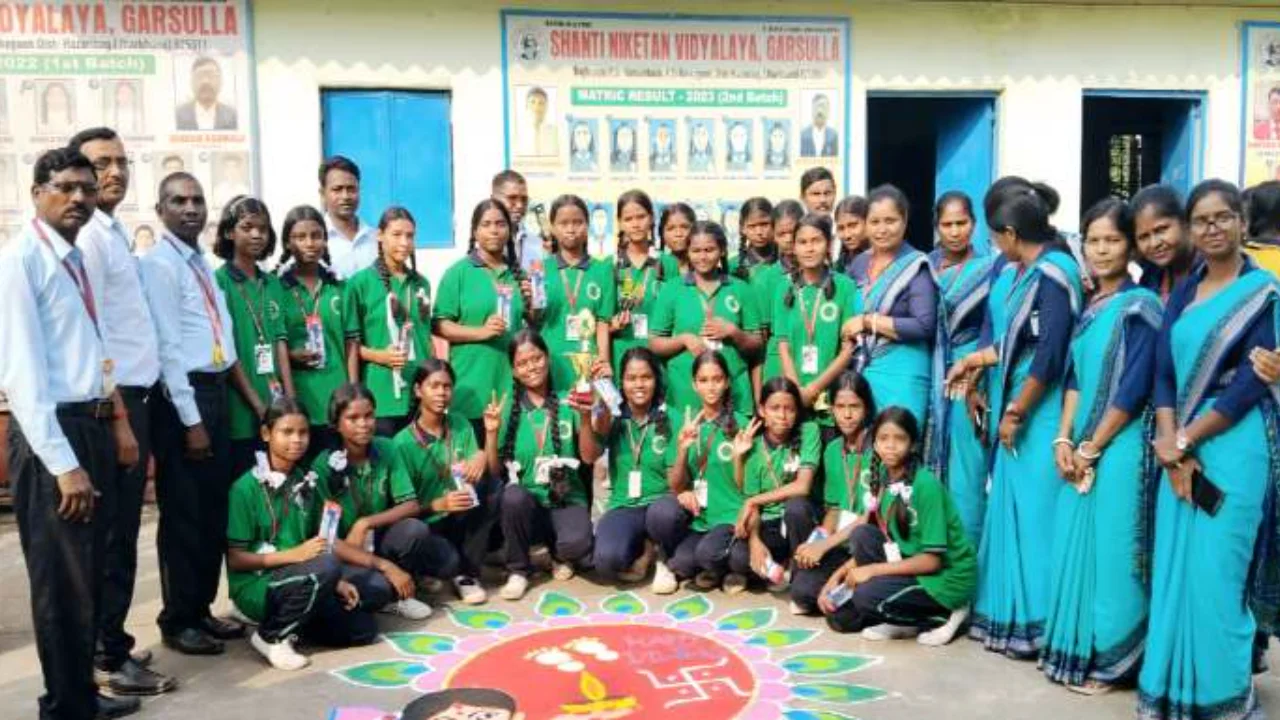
<point x="896" y="599"/>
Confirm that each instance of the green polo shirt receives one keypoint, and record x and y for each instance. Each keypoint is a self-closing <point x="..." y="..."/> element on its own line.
<point x="526" y="450"/>
<point x="810" y="307"/>
<point x="469" y="296"/>
<point x="379" y="483"/>
<point x="842" y="472"/>
<point x="315" y="386"/>
<point x="429" y="459"/>
<point x="771" y="284"/>
<point x="766" y="468"/>
<point x="250" y="510"/>
<point x="257" y="318"/>
<point x="670" y="266"/>
<point x="936" y="528"/>
<point x="366" y="308"/>
<point x="570" y="290"/>
<point x="637" y="288"/>
<point x="681" y="309"/>
<point x="645" y="446"/>
<point x="711" y="458"/>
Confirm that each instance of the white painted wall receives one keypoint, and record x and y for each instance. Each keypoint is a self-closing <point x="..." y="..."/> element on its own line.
<point x="1039" y="59"/>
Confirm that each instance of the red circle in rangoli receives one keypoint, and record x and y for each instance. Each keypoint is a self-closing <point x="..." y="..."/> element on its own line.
<point x="595" y="672"/>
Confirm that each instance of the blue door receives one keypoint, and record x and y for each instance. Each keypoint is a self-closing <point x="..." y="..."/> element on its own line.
<point x="402" y="142"/>
<point x="1179" y="141"/>
<point x="966" y="154"/>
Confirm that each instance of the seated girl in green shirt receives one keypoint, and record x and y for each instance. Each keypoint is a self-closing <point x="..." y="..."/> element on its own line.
<point x="913" y="566"/>
<point x="540" y="450"/>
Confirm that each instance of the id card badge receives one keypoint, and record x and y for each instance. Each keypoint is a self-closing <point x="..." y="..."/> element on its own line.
<point x="633" y="485"/>
<point x="640" y="325"/>
<point x="572" y="329"/>
<point x="504" y="304"/>
<point x="700" y="492"/>
<point x="264" y="359"/>
<point x="892" y="552"/>
<point x="809" y="359"/>
<point x="108" y="377"/>
<point x="276" y="389"/>
<point x="846" y="519"/>
<point x="840" y="594"/>
<point x="315" y="339"/>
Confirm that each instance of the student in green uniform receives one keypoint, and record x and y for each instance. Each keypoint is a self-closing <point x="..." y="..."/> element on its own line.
<point x="540" y="447"/>
<point x="255" y="301"/>
<point x="637" y="275"/>
<point x="776" y="472"/>
<point x="313" y="319"/>
<point x="809" y="316"/>
<point x="913" y="566"/>
<point x="757" y="250"/>
<point x="851" y="227"/>
<point x="280" y="571"/>
<point x="388" y="318"/>
<point x="643" y="516"/>
<point x="674" y="226"/>
<point x="457" y="495"/>
<point x="481" y="305"/>
<point x="818" y="190"/>
<point x="367" y="478"/>
<point x="786" y="218"/>
<point x="846" y="470"/>
<point x="702" y="477"/>
<point x="708" y="309"/>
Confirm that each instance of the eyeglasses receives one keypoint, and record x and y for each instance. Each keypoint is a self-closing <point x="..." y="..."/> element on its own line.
<point x="104" y="163"/>
<point x="1220" y="221"/>
<point x="70" y="188"/>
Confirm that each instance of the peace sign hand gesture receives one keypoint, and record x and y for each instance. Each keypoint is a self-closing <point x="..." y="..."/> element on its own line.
<point x="746" y="438"/>
<point x="689" y="433"/>
<point x="493" y="414"/>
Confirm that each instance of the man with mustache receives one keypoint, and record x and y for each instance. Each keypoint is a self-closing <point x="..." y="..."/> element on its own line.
<point x="130" y="339"/>
<point x="67" y="421"/>
<point x="353" y="245"/>
<point x="191" y="442"/>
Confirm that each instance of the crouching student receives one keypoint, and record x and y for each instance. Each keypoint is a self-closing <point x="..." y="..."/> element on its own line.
<point x="281" y="573"/>
<point x="540" y="447"/>
<point x="368" y="479"/>
<point x="913" y="567"/>
<point x="643" y="517"/>
<point x="456" y="494"/>
<point x="775" y="472"/>
<point x="846" y="469"/>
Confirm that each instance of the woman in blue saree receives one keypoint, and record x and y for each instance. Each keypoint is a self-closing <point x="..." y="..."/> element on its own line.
<point x="1097" y="621"/>
<point x="1214" y="576"/>
<point x="901" y="300"/>
<point x="957" y="452"/>
<point x="1032" y="331"/>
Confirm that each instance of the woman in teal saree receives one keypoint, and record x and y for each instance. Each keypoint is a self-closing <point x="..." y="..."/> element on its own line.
<point x="1095" y="630"/>
<point x="1215" y="571"/>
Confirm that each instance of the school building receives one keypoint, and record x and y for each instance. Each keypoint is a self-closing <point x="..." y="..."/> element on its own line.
<point x="1092" y="97"/>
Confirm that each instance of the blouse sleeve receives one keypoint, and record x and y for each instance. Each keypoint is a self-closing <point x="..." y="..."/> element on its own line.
<point x="1054" y="311"/>
<point x="1165" y="391"/>
<point x="1136" y="377"/>
<point x="1246" y="388"/>
<point x="921" y="300"/>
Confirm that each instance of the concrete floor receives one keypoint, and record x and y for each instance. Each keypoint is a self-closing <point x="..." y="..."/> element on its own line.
<point x="960" y="681"/>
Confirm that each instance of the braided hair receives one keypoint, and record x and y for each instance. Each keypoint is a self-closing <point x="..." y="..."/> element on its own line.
<point x="506" y="453"/>
<point x="857" y="206"/>
<point x="399" y="313"/>
<point x="240" y="207"/>
<point x="303" y="213"/>
<point x="822" y="224"/>
<point x="726" y="420"/>
<point x="621" y="259"/>
<point x="677" y="208"/>
<point x="657" y="411"/>
<point x="780" y="384"/>
<point x="905" y="421"/>
<point x="509" y="250"/>
<point x="747" y="256"/>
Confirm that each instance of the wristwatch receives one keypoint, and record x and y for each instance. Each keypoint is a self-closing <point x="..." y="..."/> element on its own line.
<point x="1182" y="442"/>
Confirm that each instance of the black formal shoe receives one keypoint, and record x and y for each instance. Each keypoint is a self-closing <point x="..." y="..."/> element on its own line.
<point x="114" y="707"/>
<point x="193" y="642"/>
<point x="133" y="679"/>
<point x="221" y="628"/>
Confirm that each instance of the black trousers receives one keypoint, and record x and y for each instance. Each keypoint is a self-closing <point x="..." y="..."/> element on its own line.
<point x="64" y="563"/>
<point x="622" y="532"/>
<point x="718" y="551"/>
<point x="193" y="497"/>
<point x="470" y="532"/>
<point x="896" y="599"/>
<point x="121" y="568"/>
<point x="567" y="529"/>
<point x="390" y="426"/>
<point x="806" y="585"/>
<point x="244" y="456"/>
<point x="302" y="600"/>
<point x="412" y="546"/>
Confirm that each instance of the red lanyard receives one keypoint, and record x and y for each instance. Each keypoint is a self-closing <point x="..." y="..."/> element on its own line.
<point x="636" y="445"/>
<point x="708" y="299"/>
<point x="810" y="319"/>
<point x="253" y="314"/>
<point x="706" y="449"/>
<point x="572" y="297"/>
<point x="451" y="453"/>
<point x="210" y="302"/>
<point x="851" y="472"/>
<point x="771" y="465"/>
<point x="78" y="276"/>
<point x="271" y="512"/>
<point x="315" y="302"/>
<point x="540" y="436"/>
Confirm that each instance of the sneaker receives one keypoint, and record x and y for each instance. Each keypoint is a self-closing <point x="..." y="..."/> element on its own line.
<point x="796" y="609"/>
<point x="639" y="569"/>
<point x="430" y="585"/>
<point x="664" y="581"/>
<point x="562" y="571"/>
<point x="280" y="655"/>
<point x="706" y="580"/>
<point x="734" y="583"/>
<point x="540" y="558"/>
<point x="469" y="590"/>
<point x="517" y="585"/>
<point x="878" y="633"/>
<point x="946" y="632"/>
<point x="409" y="609"/>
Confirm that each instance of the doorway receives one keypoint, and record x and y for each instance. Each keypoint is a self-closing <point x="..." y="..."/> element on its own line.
<point x="1132" y="139"/>
<point x="929" y="144"/>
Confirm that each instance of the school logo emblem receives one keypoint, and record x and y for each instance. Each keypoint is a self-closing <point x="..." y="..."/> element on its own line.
<point x="659" y="444"/>
<point x="593" y="291"/>
<point x="335" y="304"/>
<point x="273" y="310"/>
<point x="724" y="452"/>
<point x="566" y="430"/>
<point x="731" y="302"/>
<point x="529" y="45"/>
<point x="828" y="312"/>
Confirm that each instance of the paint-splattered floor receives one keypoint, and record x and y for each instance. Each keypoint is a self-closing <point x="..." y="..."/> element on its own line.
<point x="578" y="649"/>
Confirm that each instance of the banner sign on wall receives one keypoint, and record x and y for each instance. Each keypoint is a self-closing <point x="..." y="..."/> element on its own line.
<point x="701" y="109"/>
<point x="1260" y="126"/>
<point x="173" y="79"/>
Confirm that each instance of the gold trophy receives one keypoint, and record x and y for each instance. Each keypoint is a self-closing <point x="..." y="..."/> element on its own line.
<point x="583" y="358"/>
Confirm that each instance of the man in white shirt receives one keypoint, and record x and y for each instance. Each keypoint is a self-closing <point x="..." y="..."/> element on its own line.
<point x="510" y="189"/>
<point x="191" y="443"/>
<point x="538" y="138"/>
<point x="353" y="246"/>
<point x="820" y="139"/>
<point x="130" y="340"/>
<point x="67" y="433"/>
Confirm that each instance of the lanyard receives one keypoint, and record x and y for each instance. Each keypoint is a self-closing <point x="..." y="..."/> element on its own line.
<point x="851" y="472"/>
<point x="810" y="318"/>
<point x="78" y="276"/>
<point x="451" y="452"/>
<point x="706" y="449"/>
<point x="210" y="303"/>
<point x="540" y="436"/>
<point x="708" y="299"/>
<point x="572" y="297"/>
<point x="636" y="445"/>
<point x="644" y="285"/>
<point x="315" y="301"/>
<point x="271" y="512"/>
<point x="254" y="315"/>
<point x="771" y="464"/>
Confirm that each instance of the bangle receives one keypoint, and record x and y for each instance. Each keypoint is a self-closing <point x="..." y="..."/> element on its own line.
<point x="1063" y="441"/>
<point x="1087" y="455"/>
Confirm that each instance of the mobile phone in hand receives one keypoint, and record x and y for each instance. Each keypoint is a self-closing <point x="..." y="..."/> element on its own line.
<point x="1205" y="494"/>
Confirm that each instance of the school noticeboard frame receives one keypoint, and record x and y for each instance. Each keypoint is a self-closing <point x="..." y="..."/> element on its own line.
<point x="1259" y="77"/>
<point x="148" y="71"/>
<point x="602" y="103"/>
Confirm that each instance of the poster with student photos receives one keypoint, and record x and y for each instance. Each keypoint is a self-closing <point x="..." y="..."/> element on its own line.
<point x="702" y="109"/>
<point x="1260" y="90"/>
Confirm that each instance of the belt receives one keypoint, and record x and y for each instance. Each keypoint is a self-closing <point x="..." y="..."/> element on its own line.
<point x="93" y="409"/>
<point x="140" y="393"/>
<point x="207" y="379"/>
